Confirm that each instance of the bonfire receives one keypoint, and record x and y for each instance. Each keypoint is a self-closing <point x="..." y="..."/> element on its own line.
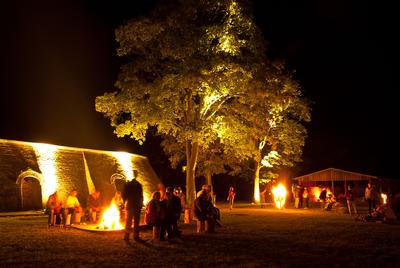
<point x="279" y="195"/>
<point x="111" y="218"/>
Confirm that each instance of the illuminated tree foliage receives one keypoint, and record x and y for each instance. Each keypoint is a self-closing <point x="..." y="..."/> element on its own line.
<point x="196" y="71"/>
<point x="186" y="62"/>
<point x="266" y="126"/>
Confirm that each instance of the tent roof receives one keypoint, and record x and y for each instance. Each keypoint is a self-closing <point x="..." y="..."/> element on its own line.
<point x="334" y="174"/>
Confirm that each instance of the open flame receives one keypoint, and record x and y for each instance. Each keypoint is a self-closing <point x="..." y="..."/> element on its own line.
<point x="279" y="195"/>
<point x="384" y="198"/>
<point x="111" y="219"/>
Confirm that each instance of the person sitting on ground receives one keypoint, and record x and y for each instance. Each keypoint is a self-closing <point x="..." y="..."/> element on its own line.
<point x="72" y="207"/>
<point x="382" y="213"/>
<point x="53" y="206"/>
<point x="94" y="206"/>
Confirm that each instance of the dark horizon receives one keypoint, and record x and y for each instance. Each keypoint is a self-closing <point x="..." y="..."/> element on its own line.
<point x="59" y="56"/>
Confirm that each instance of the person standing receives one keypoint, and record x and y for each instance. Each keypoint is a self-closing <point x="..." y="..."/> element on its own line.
<point x="176" y="209"/>
<point x="350" y="200"/>
<point x="153" y="215"/>
<point x="322" y="197"/>
<point x="178" y="192"/>
<point x="231" y="197"/>
<point x="369" y="195"/>
<point x="306" y="197"/>
<point x="297" y="197"/>
<point x="133" y="199"/>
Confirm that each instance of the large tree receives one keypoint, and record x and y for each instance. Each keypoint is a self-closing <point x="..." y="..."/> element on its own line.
<point x="267" y="126"/>
<point x="185" y="62"/>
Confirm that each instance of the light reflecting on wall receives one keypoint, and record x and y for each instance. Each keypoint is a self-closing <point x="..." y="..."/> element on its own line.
<point x="89" y="181"/>
<point x="125" y="160"/>
<point x="46" y="155"/>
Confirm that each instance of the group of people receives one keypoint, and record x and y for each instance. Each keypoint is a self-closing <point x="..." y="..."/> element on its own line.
<point x="163" y="213"/>
<point x="329" y="201"/>
<point x="205" y="212"/>
<point x="71" y="211"/>
<point x="301" y="196"/>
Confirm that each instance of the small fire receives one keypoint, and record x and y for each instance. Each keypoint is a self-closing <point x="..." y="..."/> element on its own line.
<point x="384" y="198"/>
<point x="111" y="219"/>
<point x="279" y="195"/>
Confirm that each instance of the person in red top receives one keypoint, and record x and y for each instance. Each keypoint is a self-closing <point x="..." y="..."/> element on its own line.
<point x="153" y="215"/>
<point x="231" y="197"/>
<point x="54" y="206"/>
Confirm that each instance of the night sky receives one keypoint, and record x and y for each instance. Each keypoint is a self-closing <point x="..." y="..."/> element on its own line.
<point x="57" y="56"/>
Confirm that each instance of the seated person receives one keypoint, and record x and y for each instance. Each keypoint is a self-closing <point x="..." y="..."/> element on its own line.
<point x="330" y="201"/>
<point x="53" y="206"/>
<point x="200" y="210"/>
<point x="72" y="207"/>
<point x="94" y="206"/>
<point x="382" y="213"/>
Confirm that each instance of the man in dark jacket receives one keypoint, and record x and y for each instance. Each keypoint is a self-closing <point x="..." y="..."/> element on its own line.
<point x="322" y="197"/>
<point x="176" y="208"/>
<point x="133" y="199"/>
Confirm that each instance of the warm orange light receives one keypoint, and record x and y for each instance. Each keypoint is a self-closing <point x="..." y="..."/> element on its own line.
<point x="316" y="192"/>
<point x="111" y="219"/>
<point x="47" y="160"/>
<point x="384" y="198"/>
<point x="279" y="195"/>
<point x="125" y="160"/>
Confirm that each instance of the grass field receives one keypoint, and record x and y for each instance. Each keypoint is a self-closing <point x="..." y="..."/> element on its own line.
<point x="250" y="237"/>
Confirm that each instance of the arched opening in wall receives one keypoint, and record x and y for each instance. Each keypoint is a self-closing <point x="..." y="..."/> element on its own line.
<point x="118" y="181"/>
<point x="31" y="193"/>
<point x="30" y="185"/>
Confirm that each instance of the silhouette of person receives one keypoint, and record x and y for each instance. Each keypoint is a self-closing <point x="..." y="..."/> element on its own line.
<point x="133" y="198"/>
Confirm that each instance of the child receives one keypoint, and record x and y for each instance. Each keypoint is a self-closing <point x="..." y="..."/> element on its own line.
<point x="231" y="197"/>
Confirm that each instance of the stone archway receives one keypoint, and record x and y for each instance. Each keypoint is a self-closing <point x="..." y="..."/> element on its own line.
<point x="118" y="181"/>
<point x="30" y="184"/>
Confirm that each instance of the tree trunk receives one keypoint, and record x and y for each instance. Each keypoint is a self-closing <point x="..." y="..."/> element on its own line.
<point x="191" y="162"/>
<point x="257" y="168"/>
<point x="209" y="179"/>
<point x="209" y="182"/>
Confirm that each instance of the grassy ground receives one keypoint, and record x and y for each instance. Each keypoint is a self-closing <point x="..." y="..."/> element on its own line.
<point x="250" y="237"/>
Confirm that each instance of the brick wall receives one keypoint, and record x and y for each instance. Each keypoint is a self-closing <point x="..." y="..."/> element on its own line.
<point x="17" y="157"/>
